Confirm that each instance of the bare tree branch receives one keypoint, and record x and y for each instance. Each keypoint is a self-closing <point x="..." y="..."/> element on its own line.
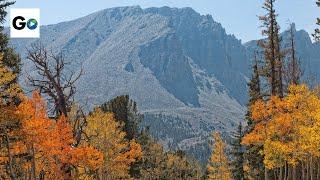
<point x="52" y="79"/>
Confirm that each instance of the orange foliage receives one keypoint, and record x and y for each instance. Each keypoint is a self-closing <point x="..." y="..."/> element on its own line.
<point x="50" y="141"/>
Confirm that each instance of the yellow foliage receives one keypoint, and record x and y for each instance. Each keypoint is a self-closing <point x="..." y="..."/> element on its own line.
<point x="287" y="128"/>
<point x="155" y="162"/>
<point x="218" y="167"/>
<point x="106" y="134"/>
<point x="8" y="88"/>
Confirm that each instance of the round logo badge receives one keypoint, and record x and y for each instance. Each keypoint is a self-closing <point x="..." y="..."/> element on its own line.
<point x="32" y="24"/>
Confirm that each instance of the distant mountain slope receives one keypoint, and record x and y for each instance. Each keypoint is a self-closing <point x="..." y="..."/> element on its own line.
<point x="163" y="40"/>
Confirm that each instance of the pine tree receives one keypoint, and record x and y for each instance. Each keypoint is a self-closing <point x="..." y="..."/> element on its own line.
<point x="125" y="110"/>
<point x="11" y="60"/>
<point x="252" y="158"/>
<point x="218" y="167"/>
<point x="254" y="87"/>
<point x="272" y="70"/>
<point x="316" y="34"/>
<point x="238" y="154"/>
<point x="272" y="49"/>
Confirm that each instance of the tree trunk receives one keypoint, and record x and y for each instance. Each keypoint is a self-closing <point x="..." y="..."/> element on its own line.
<point x="266" y="177"/>
<point x="289" y="169"/>
<point x="311" y="168"/>
<point x="280" y="77"/>
<point x="285" y="171"/>
<point x="281" y="173"/>
<point x="318" y="169"/>
<point x="294" y="173"/>
<point x="41" y="175"/>
<point x="307" y="168"/>
<point x="303" y="171"/>
<point x="33" y="164"/>
<point x="11" y="173"/>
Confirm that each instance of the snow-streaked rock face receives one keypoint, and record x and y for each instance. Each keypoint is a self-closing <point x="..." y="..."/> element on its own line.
<point x="147" y="53"/>
<point x="173" y="62"/>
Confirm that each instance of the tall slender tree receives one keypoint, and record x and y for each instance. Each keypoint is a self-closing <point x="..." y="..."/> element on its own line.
<point x="272" y="49"/>
<point x="10" y="58"/>
<point x="254" y="86"/>
<point x="238" y="154"/>
<point x="292" y="70"/>
<point x="9" y="99"/>
<point x="253" y="161"/>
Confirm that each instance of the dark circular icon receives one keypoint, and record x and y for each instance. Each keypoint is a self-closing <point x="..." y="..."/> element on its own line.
<point x="32" y="24"/>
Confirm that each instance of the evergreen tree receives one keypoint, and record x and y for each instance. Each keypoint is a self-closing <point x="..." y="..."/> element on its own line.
<point x="10" y="58"/>
<point x="253" y="161"/>
<point x="125" y="110"/>
<point x="145" y="140"/>
<point x="254" y="87"/>
<point x="316" y="34"/>
<point x="272" y="49"/>
<point x="10" y="167"/>
<point x="218" y="167"/>
<point x="238" y="154"/>
<point x="272" y="71"/>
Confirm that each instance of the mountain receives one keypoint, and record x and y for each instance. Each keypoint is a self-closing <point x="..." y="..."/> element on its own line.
<point x="186" y="74"/>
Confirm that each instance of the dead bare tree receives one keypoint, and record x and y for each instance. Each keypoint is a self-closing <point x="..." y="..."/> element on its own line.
<point x="52" y="79"/>
<point x="293" y="70"/>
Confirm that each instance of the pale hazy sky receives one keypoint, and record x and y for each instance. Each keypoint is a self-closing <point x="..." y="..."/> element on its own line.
<point x="238" y="17"/>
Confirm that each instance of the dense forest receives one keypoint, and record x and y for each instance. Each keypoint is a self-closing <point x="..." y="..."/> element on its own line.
<point x="49" y="135"/>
